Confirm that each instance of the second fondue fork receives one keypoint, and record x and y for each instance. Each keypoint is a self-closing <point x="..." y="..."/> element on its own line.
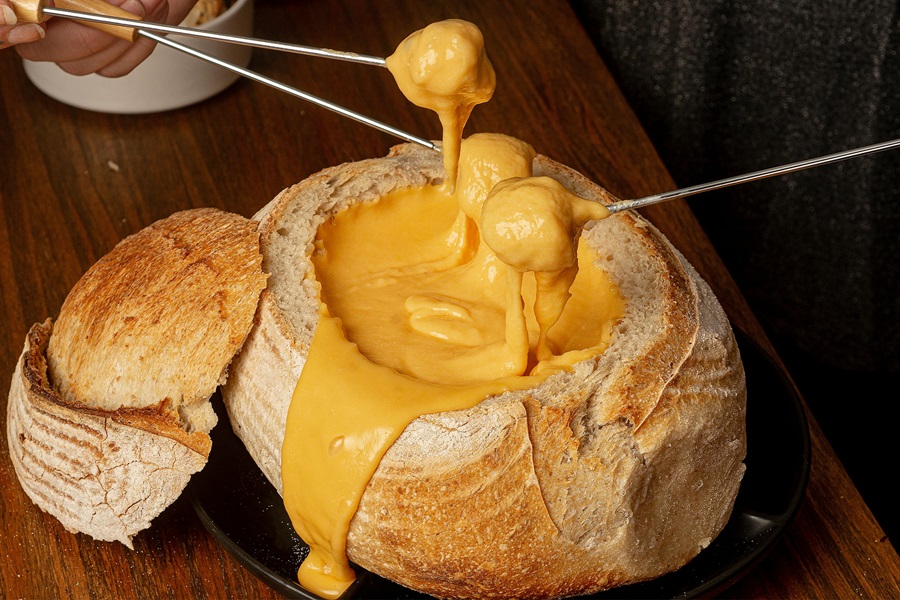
<point x="693" y="190"/>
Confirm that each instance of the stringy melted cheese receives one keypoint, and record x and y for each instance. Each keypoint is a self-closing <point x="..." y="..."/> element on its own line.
<point x="433" y="299"/>
<point x="444" y="68"/>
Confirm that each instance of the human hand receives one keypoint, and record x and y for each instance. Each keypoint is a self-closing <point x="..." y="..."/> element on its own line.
<point x="80" y="50"/>
<point x="12" y="32"/>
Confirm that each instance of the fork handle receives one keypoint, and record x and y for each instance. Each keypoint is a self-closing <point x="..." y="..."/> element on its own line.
<point x="32" y="11"/>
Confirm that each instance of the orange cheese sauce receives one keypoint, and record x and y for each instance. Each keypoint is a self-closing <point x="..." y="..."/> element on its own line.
<point x="433" y="299"/>
<point x="418" y="315"/>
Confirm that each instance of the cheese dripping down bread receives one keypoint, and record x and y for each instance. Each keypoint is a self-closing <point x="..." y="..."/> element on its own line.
<point x="108" y="413"/>
<point x="413" y="312"/>
<point x="431" y="314"/>
<point x="616" y="468"/>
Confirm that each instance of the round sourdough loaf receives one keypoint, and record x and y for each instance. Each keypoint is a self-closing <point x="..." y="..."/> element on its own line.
<point x="108" y="413"/>
<point x="617" y="471"/>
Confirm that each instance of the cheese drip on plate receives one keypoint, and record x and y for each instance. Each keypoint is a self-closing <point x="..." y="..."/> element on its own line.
<point x="433" y="299"/>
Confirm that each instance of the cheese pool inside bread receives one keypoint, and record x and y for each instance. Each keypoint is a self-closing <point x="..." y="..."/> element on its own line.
<point x="617" y="469"/>
<point x="419" y="315"/>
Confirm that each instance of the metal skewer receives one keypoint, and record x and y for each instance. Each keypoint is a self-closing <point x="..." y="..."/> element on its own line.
<point x="219" y="37"/>
<point x="754" y="176"/>
<point x="290" y="90"/>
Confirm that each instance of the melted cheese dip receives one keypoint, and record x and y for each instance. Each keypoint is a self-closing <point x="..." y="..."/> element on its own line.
<point x="414" y="321"/>
<point x="433" y="299"/>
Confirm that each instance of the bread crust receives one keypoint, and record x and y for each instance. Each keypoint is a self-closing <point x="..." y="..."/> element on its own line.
<point x="108" y="413"/>
<point x="105" y="473"/>
<point x="160" y="316"/>
<point x="617" y="471"/>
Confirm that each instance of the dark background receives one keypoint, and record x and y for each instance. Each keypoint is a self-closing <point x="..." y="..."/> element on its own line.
<point x="727" y="87"/>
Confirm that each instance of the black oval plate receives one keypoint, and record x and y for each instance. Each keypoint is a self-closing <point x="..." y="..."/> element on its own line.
<point x="245" y="514"/>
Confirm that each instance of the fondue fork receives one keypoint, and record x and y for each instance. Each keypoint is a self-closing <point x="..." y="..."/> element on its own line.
<point x="125" y="25"/>
<point x="122" y="24"/>
<point x="620" y="205"/>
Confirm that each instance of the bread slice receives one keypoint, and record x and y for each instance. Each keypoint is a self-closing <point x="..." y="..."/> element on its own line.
<point x="620" y="470"/>
<point x="108" y="412"/>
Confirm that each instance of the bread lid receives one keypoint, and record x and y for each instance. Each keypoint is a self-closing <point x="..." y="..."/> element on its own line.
<point x="108" y="414"/>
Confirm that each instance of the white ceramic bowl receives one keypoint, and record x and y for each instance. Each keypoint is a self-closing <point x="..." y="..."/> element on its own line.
<point x="167" y="79"/>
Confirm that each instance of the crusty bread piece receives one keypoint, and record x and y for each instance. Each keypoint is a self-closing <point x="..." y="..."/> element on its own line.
<point x="108" y="412"/>
<point x="618" y="471"/>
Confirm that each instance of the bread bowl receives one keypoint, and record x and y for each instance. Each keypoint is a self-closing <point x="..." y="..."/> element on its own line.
<point x="616" y="471"/>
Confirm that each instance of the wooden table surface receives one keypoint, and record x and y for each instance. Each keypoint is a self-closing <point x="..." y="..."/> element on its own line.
<point x="73" y="183"/>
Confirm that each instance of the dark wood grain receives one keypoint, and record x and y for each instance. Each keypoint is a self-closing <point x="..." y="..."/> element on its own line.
<point x="62" y="207"/>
